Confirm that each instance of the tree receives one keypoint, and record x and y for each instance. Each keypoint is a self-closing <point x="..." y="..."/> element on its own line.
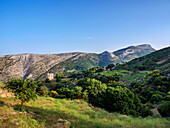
<point x="94" y="88"/>
<point x="110" y="66"/>
<point x="25" y="90"/>
<point x="58" y="77"/>
<point x="118" y="99"/>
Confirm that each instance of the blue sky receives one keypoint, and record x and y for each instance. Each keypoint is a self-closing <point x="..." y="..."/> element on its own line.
<point x="56" y="26"/>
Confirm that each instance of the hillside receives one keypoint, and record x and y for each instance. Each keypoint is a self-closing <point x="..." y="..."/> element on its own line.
<point x="157" y="60"/>
<point x="37" y="66"/>
<point x="48" y="112"/>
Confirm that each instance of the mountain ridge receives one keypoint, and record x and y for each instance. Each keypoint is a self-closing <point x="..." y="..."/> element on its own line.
<point x="37" y="65"/>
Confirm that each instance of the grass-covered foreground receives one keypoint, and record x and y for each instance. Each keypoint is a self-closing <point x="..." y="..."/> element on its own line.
<point x="47" y="112"/>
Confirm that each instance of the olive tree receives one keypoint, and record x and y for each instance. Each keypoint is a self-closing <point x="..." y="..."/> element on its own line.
<point x="24" y="90"/>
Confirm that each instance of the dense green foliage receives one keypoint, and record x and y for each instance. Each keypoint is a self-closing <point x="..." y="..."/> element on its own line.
<point x="145" y="89"/>
<point x="94" y="88"/>
<point x="118" y="99"/>
<point x="164" y="109"/>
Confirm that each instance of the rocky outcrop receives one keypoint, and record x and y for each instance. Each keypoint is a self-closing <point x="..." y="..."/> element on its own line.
<point x="5" y="93"/>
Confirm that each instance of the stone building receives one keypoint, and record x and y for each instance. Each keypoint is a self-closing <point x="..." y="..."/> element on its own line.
<point x="50" y="76"/>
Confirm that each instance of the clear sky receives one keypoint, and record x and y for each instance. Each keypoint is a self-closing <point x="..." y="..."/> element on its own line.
<point x="56" y="26"/>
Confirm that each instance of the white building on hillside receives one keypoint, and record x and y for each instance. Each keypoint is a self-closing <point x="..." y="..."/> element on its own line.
<point x="50" y="76"/>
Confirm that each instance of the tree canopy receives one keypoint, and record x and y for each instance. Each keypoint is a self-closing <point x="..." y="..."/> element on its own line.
<point x="25" y="90"/>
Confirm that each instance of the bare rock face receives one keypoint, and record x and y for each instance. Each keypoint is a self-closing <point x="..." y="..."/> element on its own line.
<point x="133" y="52"/>
<point x="26" y="65"/>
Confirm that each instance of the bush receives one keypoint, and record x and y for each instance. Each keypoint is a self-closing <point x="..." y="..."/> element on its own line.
<point x="85" y="95"/>
<point x="43" y="90"/>
<point x="64" y="91"/>
<point x="164" y="109"/>
<point x="78" y="92"/>
<point x="146" y="112"/>
<point x="47" y="80"/>
<point x="54" y="94"/>
<point x="155" y="98"/>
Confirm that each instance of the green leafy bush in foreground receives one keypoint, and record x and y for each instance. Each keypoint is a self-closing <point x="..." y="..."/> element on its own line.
<point x="25" y="90"/>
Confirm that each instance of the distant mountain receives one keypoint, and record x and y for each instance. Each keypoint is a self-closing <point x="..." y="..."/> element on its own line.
<point x="132" y="52"/>
<point x="108" y="58"/>
<point x="159" y="60"/>
<point x="37" y="66"/>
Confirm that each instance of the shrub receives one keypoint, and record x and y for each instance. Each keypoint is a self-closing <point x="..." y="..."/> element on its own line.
<point x="164" y="109"/>
<point x="155" y="98"/>
<point x="146" y="112"/>
<point x="47" y="80"/>
<point x="85" y="95"/>
<point x="64" y="91"/>
<point x="58" y="77"/>
<point x="43" y="90"/>
<point x="54" y="93"/>
<point x="78" y="92"/>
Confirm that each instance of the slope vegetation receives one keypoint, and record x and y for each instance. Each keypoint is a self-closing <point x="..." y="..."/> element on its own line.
<point x="47" y="112"/>
<point x="157" y="60"/>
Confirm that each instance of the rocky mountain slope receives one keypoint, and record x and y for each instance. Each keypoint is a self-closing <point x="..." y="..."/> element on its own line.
<point x="36" y="66"/>
<point x="26" y="65"/>
<point x="132" y="52"/>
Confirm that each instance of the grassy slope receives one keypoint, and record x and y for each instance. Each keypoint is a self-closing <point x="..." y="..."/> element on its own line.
<point x="120" y="72"/>
<point x="44" y="112"/>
